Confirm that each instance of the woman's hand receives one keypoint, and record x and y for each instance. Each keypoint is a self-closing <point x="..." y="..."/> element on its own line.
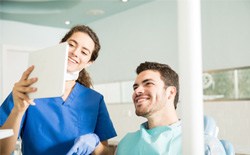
<point x="21" y="90"/>
<point x="84" y="145"/>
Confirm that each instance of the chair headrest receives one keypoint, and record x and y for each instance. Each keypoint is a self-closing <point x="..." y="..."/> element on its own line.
<point x="210" y="127"/>
<point x="228" y="147"/>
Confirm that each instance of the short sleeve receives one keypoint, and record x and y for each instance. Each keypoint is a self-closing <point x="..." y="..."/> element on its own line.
<point x="6" y="108"/>
<point x="104" y="126"/>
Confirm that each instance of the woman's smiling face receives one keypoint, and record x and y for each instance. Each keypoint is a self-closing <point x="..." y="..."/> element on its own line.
<point x="81" y="47"/>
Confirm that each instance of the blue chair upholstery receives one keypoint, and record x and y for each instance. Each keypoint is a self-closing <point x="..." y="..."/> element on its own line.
<point x="210" y="126"/>
<point x="228" y="146"/>
<point x="214" y="146"/>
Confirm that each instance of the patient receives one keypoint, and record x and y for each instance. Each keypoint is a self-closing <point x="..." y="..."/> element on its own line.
<point x="155" y="97"/>
<point x="156" y="93"/>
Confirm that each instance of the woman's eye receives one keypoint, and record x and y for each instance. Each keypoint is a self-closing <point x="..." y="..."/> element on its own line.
<point x="71" y="45"/>
<point x="83" y="52"/>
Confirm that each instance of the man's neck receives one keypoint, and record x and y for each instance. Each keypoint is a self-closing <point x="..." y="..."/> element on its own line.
<point x="162" y="118"/>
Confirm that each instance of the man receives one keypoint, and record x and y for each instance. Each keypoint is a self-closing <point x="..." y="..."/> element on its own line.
<point x="156" y="93"/>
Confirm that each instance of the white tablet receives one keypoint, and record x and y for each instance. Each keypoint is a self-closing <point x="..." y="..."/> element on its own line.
<point x="50" y="69"/>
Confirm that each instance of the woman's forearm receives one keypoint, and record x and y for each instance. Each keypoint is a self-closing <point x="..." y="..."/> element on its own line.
<point x="102" y="149"/>
<point x="7" y="145"/>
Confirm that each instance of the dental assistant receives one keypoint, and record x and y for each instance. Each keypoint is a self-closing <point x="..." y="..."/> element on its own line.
<point x="77" y="122"/>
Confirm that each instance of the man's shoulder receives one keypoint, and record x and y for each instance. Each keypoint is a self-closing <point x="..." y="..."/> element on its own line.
<point x="129" y="137"/>
<point x="127" y="143"/>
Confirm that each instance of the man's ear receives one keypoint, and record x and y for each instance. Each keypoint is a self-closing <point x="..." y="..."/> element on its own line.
<point x="171" y="92"/>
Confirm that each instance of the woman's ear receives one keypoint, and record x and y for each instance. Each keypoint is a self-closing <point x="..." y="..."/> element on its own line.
<point x="89" y="63"/>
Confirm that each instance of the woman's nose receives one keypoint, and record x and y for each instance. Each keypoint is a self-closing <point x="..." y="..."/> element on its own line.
<point x="75" y="51"/>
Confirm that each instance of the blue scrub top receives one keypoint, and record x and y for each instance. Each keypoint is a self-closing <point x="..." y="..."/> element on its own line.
<point x="51" y="126"/>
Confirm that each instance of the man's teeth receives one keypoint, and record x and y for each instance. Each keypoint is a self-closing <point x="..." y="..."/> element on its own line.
<point x="141" y="100"/>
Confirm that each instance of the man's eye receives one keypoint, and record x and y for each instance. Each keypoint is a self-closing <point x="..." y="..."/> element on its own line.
<point x="148" y="83"/>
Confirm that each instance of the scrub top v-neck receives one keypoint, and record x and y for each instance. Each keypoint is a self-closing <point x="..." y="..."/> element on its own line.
<point x="51" y="126"/>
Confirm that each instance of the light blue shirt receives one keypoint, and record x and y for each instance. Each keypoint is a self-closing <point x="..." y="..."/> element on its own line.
<point x="162" y="140"/>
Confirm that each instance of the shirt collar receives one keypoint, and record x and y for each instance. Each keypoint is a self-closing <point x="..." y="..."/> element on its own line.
<point x="172" y="126"/>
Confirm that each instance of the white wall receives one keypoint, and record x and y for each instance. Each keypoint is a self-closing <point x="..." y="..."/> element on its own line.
<point x="226" y="33"/>
<point x="1" y="40"/>
<point x="149" y="32"/>
<point x="29" y="36"/>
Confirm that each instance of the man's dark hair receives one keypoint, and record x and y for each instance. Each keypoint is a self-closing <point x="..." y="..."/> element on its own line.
<point x="168" y="76"/>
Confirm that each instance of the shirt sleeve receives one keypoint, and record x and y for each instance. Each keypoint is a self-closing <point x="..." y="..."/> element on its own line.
<point x="5" y="110"/>
<point x="104" y="126"/>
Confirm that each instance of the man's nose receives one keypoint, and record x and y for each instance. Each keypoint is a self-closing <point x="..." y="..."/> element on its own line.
<point x="139" y="90"/>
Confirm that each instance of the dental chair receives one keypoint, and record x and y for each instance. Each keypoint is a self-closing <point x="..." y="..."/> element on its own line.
<point x="228" y="147"/>
<point x="214" y="146"/>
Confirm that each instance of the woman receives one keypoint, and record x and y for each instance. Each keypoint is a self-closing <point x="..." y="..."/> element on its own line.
<point x="54" y="124"/>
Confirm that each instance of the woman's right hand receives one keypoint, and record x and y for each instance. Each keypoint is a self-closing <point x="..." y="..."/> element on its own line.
<point x="21" y="90"/>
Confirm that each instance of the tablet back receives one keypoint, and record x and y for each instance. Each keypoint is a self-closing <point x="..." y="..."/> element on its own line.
<point x="50" y="69"/>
